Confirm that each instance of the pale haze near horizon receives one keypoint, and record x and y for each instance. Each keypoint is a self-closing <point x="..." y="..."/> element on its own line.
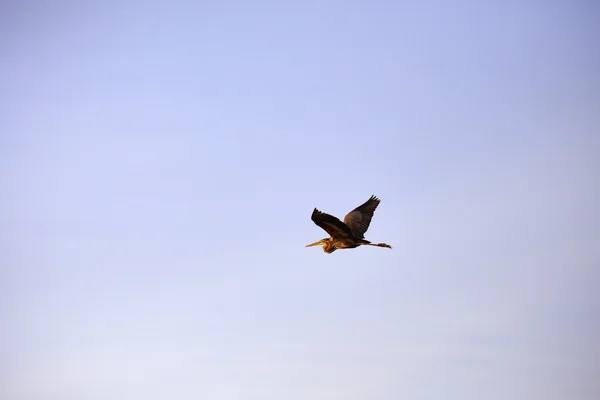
<point x="160" y="161"/>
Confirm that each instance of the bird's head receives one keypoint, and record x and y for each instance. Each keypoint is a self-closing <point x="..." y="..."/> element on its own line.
<point x="327" y="248"/>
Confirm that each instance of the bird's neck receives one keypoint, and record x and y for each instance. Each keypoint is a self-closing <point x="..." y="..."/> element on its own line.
<point x="328" y="245"/>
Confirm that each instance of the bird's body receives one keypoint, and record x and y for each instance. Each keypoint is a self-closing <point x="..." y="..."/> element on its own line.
<point x="350" y="233"/>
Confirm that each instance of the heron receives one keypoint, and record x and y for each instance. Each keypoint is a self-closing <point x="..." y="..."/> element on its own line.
<point x="350" y="233"/>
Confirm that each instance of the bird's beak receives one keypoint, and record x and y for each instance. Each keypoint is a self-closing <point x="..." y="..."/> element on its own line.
<point x="313" y="244"/>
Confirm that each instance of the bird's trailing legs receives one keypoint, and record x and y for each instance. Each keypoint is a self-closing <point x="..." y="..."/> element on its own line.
<point x="367" y="243"/>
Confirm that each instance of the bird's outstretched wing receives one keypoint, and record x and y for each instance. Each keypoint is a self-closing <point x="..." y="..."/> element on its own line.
<point x="332" y="225"/>
<point x="358" y="220"/>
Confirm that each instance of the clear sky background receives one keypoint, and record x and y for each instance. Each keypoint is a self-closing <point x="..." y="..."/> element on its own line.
<point x="159" y="162"/>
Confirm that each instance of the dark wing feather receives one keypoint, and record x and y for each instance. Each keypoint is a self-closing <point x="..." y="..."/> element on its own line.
<point x="358" y="220"/>
<point x="332" y="225"/>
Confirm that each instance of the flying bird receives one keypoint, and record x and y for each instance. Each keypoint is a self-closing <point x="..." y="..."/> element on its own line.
<point x="350" y="233"/>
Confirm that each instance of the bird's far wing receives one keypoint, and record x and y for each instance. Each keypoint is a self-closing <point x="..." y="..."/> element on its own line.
<point x="332" y="225"/>
<point x="358" y="220"/>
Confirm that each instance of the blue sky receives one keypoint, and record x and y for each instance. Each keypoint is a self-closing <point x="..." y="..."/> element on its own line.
<point x="159" y="162"/>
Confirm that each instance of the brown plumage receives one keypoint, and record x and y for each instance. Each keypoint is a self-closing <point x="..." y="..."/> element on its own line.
<point x="350" y="233"/>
